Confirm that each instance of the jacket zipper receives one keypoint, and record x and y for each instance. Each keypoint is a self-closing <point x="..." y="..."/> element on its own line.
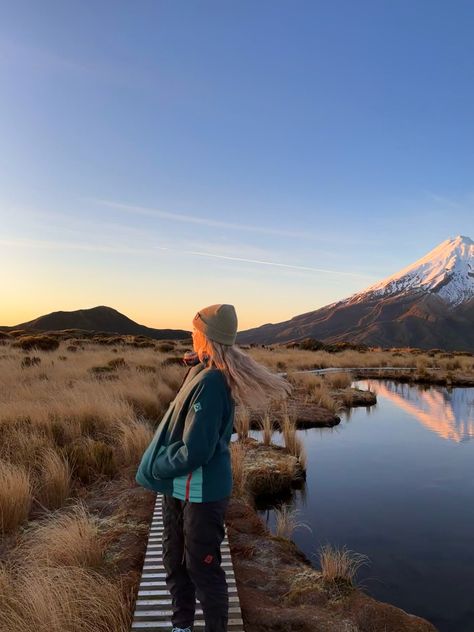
<point x="188" y="483"/>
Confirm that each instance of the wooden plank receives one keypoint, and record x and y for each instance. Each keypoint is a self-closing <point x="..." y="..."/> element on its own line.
<point x="153" y="605"/>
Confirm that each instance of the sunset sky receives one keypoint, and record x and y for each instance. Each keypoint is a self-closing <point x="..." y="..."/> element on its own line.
<point x="160" y="156"/>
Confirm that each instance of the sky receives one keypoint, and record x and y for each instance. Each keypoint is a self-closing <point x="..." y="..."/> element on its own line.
<point x="160" y="156"/>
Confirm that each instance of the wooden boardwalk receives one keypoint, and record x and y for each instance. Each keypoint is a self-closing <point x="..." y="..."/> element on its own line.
<point x="153" y="605"/>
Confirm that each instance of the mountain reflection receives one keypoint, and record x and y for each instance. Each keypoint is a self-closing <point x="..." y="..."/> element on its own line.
<point x="449" y="413"/>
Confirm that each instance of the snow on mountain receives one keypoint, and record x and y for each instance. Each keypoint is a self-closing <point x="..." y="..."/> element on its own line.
<point x="447" y="271"/>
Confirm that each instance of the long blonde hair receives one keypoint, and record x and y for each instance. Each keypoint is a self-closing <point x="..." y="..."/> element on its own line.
<point x="251" y="383"/>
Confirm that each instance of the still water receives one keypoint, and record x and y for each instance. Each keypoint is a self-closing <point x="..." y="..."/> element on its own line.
<point x="396" y="482"/>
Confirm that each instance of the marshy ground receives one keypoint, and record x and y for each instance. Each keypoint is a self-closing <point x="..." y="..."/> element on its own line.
<point x="76" y="413"/>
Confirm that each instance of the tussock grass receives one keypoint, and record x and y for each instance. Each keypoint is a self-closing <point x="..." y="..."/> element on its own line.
<point x="15" y="496"/>
<point x="266" y="426"/>
<point x="62" y="599"/>
<point x="65" y="538"/>
<point x="237" y="455"/>
<point x="91" y="459"/>
<point x="133" y="439"/>
<point x="340" y="563"/>
<point x="315" y="389"/>
<point x="292" y="441"/>
<point x="298" y="359"/>
<point x="286" y="522"/>
<point x="339" y="380"/>
<point x="53" y="484"/>
<point x="242" y="421"/>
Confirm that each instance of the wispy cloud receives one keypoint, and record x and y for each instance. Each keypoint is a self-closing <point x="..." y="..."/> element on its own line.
<point x="270" y="263"/>
<point x="68" y="245"/>
<point x="62" y="245"/>
<point x="194" y="219"/>
<point x="449" y="201"/>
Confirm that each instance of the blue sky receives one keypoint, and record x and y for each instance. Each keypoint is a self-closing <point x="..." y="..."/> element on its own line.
<point x="158" y="157"/>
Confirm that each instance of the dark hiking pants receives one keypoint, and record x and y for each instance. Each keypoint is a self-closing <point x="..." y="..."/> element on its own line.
<point x="192" y="536"/>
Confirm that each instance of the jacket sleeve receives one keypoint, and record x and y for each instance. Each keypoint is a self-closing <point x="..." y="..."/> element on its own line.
<point x="200" y="436"/>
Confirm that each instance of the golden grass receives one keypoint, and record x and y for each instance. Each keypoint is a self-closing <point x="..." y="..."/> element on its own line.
<point x="15" y="496"/>
<point x="237" y="455"/>
<point x="65" y="538"/>
<point x="340" y="563"/>
<point x="286" y="522"/>
<point x="266" y="426"/>
<point x="60" y="599"/>
<point x="339" y="380"/>
<point x="242" y="421"/>
<point x="133" y="439"/>
<point x="64" y="428"/>
<point x="54" y="480"/>
<point x="317" y="388"/>
<point x="299" y="359"/>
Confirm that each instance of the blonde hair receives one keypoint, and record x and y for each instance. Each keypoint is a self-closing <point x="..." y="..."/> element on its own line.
<point x="251" y="383"/>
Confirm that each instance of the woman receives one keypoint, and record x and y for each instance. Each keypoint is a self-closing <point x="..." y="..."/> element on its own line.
<point x="189" y="462"/>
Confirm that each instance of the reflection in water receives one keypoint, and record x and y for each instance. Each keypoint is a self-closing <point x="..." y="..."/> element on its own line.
<point x="448" y="413"/>
<point x="386" y="483"/>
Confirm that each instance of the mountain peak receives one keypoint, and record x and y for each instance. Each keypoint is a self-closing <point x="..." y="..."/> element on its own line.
<point x="447" y="271"/>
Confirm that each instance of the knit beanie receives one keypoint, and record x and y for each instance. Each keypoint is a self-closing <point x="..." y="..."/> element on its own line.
<point x="217" y="322"/>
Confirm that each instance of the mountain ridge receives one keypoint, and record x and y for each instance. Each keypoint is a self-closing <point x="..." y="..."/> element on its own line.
<point x="412" y="312"/>
<point x="100" y="318"/>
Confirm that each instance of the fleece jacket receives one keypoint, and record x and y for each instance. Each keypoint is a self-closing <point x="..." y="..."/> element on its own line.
<point x="189" y="456"/>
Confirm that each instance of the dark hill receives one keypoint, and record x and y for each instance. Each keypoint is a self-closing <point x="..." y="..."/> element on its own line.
<point x="101" y="318"/>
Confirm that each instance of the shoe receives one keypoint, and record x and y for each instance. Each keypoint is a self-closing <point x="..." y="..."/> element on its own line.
<point x="181" y="630"/>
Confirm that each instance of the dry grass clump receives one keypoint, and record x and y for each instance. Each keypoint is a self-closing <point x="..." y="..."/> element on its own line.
<point x="91" y="459"/>
<point x="322" y="397"/>
<point x="286" y="523"/>
<point x="341" y="379"/>
<point x="238" y="451"/>
<point x="315" y="389"/>
<point x="54" y="480"/>
<point x="133" y="439"/>
<point x="340" y="564"/>
<point x="293" y="443"/>
<point x="166" y="347"/>
<point x="15" y="496"/>
<point x="242" y="421"/>
<point x="40" y="342"/>
<point x="62" y="599"/>
<point x="266" y="426"/>
<point x="69" y="538"/>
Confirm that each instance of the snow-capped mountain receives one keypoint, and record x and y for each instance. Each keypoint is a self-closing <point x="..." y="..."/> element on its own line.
<point x="447" y="271"/>
<point x="428" y="304"/>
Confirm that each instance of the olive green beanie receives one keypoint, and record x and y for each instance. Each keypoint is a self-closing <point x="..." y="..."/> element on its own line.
<point x="217" y="322"/>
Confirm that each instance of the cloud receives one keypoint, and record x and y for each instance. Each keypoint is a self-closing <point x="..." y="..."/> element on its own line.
<point x="269" y="263"/>
<point x="63" y="245"/>
<point x="178" y="217"/>
<point x="445" y="201"/>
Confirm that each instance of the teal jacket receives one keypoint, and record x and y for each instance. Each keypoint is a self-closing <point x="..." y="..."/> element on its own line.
<point x="189" y="456"/>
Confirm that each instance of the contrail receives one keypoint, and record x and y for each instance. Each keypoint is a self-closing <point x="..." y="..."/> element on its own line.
<point x="178" y="217"/>
<point x="266" y="263"/>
